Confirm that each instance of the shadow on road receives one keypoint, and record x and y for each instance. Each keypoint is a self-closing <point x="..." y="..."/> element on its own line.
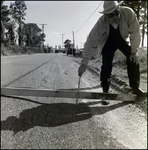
<point x="54" y="114"/>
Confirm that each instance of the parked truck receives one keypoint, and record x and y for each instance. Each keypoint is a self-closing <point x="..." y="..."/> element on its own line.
<point x="70" y="49"/>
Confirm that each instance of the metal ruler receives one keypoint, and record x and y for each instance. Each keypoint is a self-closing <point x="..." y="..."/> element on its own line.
<point x="8" y="91"/>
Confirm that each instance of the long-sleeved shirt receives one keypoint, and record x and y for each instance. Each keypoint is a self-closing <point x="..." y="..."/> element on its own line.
<point x="129" y="29"/>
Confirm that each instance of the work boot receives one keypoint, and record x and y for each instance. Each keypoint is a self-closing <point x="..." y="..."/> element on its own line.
<point x="104" y="102"/>
<point x="105" y="87"/>
<point x="139" y="92"/>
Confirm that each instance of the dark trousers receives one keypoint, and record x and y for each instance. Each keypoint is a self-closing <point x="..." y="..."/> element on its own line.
<point x="107" y="57"/>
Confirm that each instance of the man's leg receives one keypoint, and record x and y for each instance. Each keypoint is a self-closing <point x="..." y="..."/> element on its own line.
<point x="133" y="74"/>
<point x="132" y="69"/>
<point x="106" y="68"/>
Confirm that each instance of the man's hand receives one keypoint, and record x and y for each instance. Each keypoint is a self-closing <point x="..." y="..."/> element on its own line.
<point x="134" y="57"/>
<point x="81" y="69"/>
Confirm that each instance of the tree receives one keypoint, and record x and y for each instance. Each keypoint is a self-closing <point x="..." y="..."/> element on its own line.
<point x="140" y="8"/>
<point x="33" y="35"/>
<point x="2" y="32"/>
<point x="67" y="43"/>
<point x="4" y="20"/>
<point x="143" y="22"/>
<point x="10" y="34"/>
<point x="17" y="11"/>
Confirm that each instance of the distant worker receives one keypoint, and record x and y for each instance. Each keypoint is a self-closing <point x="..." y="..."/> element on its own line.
<point x="109" y="34"/>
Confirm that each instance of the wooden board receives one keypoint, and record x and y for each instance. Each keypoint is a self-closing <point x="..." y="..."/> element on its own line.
<point x="7" y="91"/>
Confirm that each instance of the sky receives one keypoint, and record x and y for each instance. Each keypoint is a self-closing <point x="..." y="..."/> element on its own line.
<point x="63" y="19"/>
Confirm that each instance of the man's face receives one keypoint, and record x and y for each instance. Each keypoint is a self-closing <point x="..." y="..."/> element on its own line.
<point x="114" y="16"/>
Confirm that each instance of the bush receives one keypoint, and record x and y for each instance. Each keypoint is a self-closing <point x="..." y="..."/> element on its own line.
<point x="142" y="56"/>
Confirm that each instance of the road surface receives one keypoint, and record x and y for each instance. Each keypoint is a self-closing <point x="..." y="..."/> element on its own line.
<point x="57" y="123"/>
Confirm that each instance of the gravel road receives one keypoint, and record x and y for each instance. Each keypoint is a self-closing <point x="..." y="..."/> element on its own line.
<point x="57" y="123"/>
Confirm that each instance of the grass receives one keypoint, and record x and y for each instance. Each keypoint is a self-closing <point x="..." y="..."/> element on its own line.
<point x="120" y="59"/>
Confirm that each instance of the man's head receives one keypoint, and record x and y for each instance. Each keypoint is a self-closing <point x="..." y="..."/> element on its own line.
<point x="111" y="9"/>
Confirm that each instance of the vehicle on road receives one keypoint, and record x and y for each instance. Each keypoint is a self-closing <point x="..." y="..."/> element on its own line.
<point x="71" y="51"/>
<point x="64" y="50"/>
<point x="79" y="52"/>
<point x="56" y="51"/>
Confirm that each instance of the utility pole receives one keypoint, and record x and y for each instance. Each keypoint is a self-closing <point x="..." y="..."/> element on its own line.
<point x="43" y="27"/>
<point x="62" y="40"/>
<point x="73" y="40"/>
<point x="43" y="30"/>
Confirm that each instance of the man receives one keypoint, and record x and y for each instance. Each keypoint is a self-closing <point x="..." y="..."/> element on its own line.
<point x="114" y="27"/>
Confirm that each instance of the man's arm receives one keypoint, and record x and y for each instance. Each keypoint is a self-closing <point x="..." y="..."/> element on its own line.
<point x="134" y="31"/>
<point x="135" y="37"/>
<point x="90" y="48"/>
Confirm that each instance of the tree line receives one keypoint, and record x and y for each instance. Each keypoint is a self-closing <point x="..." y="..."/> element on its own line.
<point x="15" y="31"/>
<point x="140" y="8"/>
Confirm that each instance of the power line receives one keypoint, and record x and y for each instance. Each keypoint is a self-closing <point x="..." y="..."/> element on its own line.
<point x="35" y="14"/>
<point x="32" y="17"/>
<point x="88" y="18"/>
